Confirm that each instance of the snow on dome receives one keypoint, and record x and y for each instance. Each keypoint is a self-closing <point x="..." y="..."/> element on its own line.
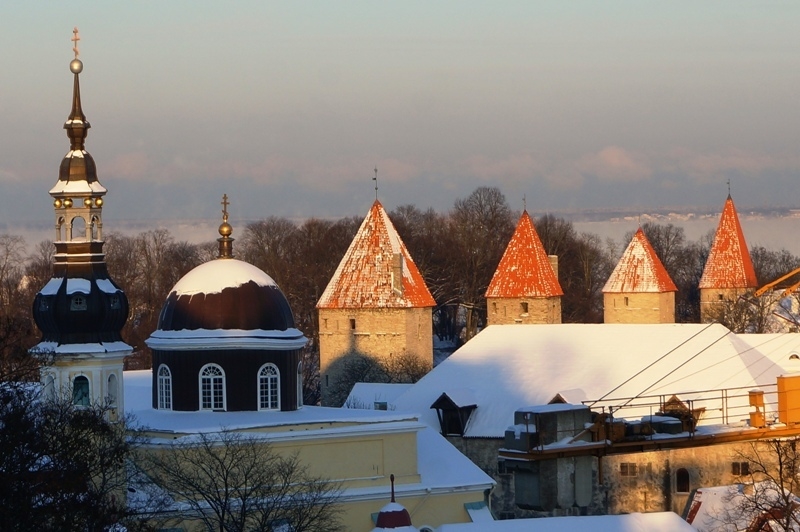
<point x="216" y="275"/>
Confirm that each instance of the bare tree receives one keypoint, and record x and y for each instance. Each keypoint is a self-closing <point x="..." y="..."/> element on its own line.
<point x="767" y="501"/>
<point x="235" y="482"/>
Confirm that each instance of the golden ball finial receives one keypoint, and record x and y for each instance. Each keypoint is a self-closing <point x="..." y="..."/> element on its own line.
<point x="76" y="66"/>
<point x="225" y="229"/>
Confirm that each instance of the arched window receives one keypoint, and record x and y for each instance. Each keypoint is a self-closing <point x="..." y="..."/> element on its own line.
<point x="682" y="481"/>
<point x="299" y="384"/>
<point x="164" y="388"/>
<point x="78" y="229"/>
<point x="269" y="388"/>
<point x="112" y="390"/>
<point x="212" y="388"/>
<point x="80" y="391"/>
<point x="95" y="228"/>
<point x="50" y="388"/>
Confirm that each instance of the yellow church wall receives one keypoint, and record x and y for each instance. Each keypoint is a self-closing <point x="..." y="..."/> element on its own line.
<point x="649" y="307"/>
<point x="506" y="311"/>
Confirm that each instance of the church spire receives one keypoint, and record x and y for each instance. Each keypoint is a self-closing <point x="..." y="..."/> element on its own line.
<point x="76" y="125"/>
<point x="225" y="231"/>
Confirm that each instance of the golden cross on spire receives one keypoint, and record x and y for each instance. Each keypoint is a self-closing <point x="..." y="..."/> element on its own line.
<point x="75" y="39"/>
<point x="225" y="204"/>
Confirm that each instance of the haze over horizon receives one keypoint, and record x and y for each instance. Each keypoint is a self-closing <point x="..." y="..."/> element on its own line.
<point x="288" y="107"/>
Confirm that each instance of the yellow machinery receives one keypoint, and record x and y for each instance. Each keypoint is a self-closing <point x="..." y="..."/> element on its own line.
<point x="772" y="284"/>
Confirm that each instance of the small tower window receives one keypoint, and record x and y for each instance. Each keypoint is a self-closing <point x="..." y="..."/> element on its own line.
<point x="269" y="387"/>
<point x="164" y="388"/>
<point x="112" y="390"/>
<point x="299" y="384"/>
<point x="720" y="297"/>
<point x="212" y="388"/>
<point x="352" y="324"/>
<point x="626" y="301"/>
<point x="78" y="302"/>
<point x="523" y="307"/>
<point x="80" y="391"/>
<point x="113" y="302"/>
<point x="682" y="481"/>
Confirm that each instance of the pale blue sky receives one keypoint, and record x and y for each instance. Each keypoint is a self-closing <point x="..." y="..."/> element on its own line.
<point x="287" y="106"/>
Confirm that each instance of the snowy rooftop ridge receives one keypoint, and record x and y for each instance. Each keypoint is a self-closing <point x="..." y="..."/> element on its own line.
<point x="214" y="276"/>
<point x="639" y="270"/>
<point x="524" y="269"/>
<point x="365" y="277"/>
<point x="729" y="264"/>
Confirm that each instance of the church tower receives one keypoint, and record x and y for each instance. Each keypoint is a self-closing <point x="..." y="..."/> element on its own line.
<point x="728" y="272"/>
<point x="525" y="288"/>
<point x="81" y="311"/>
<point x="639" y="290"/>
<point x="376" y="303"/>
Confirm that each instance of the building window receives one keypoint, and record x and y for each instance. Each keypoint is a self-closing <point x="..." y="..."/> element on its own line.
<point x="682" y="481"/>
<point x="78" y="303"/>
<point x="352" y="324"/>
<point x="523" y="307"/>
<point x="494" y="308"/>
<point x="720" y="297"/>
<point x="627" y="469"/>
<point x="50" y="388"/>
<point x="626" y="301"/>
<point x="112" y="390"/>
<point x="269" y="388"/>
<point x="113" y="302"/>
<point x="164" y="388"/>
<point x="80" y="391"/>
<point x="740" y="468"/>
<point x="212" y="388"/>
<point x="299" y="384"/>
<point x="381" y="405"/>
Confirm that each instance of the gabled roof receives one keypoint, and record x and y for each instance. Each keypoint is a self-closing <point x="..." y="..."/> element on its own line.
<point x="367" y="276"/>
<point x="524" y="270"/>
<point x="639" y="270"/>
<point x="729" y="264"/>
<point x="510" y="367"/>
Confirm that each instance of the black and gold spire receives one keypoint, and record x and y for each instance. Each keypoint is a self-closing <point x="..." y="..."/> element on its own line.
<point x="225" y="231"/>
<point x="80" y="304"/>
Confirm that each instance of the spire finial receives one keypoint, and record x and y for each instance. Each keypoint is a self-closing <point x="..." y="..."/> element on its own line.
<point x="391" y="479"/>
<point x="225" y="231"/>
<point x="524" y="203"/>
<point x="376" y="182"/>
<point x="729" y="187"/>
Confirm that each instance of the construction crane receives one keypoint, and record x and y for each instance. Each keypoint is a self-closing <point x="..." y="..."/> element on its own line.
<point x="772" y="284"/>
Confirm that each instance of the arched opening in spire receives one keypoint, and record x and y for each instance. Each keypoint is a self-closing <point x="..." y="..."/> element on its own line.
<point x="78" y="229"/>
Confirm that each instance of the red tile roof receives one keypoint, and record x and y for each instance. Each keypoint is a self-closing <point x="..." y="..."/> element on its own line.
<point x="729" y="264"/>
<point x="524" y="270"/>
<point x="639" y="270"/>
<point x="365" y="276"/>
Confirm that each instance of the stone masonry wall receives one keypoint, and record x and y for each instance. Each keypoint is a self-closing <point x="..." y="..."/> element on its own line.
<point x="503" y="311"/>
<point x="639" y="307"/>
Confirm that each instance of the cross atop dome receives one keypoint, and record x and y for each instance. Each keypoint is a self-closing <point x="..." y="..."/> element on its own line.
<point x="225" y="231"/>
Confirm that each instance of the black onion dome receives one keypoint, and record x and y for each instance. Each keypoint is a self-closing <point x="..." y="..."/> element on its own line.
<point x="226" y="294"/>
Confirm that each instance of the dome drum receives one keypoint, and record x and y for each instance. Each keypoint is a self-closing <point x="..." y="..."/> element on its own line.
<point x="240" y="369"/>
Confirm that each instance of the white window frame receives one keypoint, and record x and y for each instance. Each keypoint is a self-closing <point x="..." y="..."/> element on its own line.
<point x="213" y="377"/>
<point x="164" y="387"/>
<point x="112" y="387"/>
<point x="269" y="387"/>
<point x="88" y="390"/>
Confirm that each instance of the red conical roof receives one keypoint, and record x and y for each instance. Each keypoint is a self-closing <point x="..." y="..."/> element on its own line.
<point x="368" y="275"/>
<point x="524" y="270"/>
<point x="729" y="264"/>
<point x="639" y="270"/>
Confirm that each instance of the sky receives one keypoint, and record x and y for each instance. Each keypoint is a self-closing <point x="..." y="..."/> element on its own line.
<point x="288" y="107"/>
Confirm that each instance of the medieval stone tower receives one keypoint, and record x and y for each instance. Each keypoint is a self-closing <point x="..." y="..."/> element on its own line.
<point x="728" y="272"/>
<point x="525" y="288"/>
<point x="639" y="289"/>
<point x="80" y="310"/>
<point x="376" y="303"/>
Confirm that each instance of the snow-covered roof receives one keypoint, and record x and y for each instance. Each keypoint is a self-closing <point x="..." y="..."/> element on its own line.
<point x="193" y="339"/>
<point x="510" y="367"/>
<point x="440" y="465"/>
<point x="367" y="276"/>
<point x="635" y="522"/>
<point x="729" y="264"/>
<point x="366" y="394"/>
<point x="214" y="276"/>
<point x="639" y="270"/>
<point x="524" y="270"/>
<point x="79" y="349"/>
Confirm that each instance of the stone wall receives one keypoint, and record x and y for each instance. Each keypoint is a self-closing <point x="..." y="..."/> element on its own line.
<point x="711" y="299"/>
<point x="504" y="311"/>
<point x="647" y="307"/>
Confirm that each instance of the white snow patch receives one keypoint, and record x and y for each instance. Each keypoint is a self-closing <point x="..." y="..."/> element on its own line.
<point x="107" y="286"/>
<point x="79" y="285"/>
<point x="227" y="339"/>
<point x="216" y="275"/>
<point x="52" y="286"/>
